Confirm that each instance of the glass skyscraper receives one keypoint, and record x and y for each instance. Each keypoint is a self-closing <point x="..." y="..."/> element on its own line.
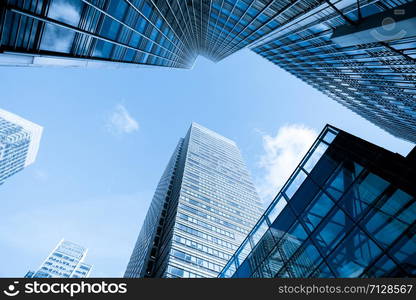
<point x="65" y="261"/>
<point x="19" y="143"/>
<point x="204" y="206"/>
<point x="360" y="53"/>
<point x="168" y="33"/>
<point x="348" y="210"/>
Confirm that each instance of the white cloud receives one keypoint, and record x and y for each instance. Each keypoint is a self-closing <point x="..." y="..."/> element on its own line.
<point x="282" y="154"/>
<point x="121" y="122"/>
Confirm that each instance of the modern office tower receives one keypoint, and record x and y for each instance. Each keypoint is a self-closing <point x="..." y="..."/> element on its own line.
<point x="53" y="32"/>
<point x="19" y="143"/>
<point x="348" y="210"/>
<point x="360" y="53"/>
<point x="167" y="33"/>
<point x="203" y="207"/>
<point x="65" y="261"/>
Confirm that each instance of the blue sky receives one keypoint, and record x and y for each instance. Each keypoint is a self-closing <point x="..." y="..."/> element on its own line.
<point x="108" y="134"/>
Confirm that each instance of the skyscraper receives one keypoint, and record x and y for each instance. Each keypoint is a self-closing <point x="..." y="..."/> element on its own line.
<point x="143" y="32"/>
<point x="359" y="53"/>
<point x="65" y="261"/>
<point x="348" y="210"/>
<point x="203" y="207"/>
<point x="19" y="143"/>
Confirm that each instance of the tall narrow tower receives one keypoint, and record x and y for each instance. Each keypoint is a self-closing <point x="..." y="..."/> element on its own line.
<point x="203" y="208"/>
<point x="19" y="143"/>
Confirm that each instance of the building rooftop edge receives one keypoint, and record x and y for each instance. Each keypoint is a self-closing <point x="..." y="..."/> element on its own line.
<point x="34" y="129"/>
<point x="212" y="132"/>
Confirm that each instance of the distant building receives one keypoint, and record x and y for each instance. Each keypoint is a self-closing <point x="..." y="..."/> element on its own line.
<point x="202" y="209"/>
<point x="65" y="261"/>
<point x="348" y="210"/>
<point x="19" y="143"/>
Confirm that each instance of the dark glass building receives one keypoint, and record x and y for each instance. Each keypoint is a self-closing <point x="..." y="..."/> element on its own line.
<point x="204" y="206"/>
<point x="348" y="210"/>
<point x="360" y="53"/>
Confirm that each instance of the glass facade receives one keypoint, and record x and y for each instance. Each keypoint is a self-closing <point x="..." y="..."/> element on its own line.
<point x="65" y="261"/>
<point x="53" y="32"/>
<point x="204" y="206"/>
<point x="348" y="210"/>
<point x="19" y="143"/>
<point x="169" y="33"/>
<point x="360" y="53"/>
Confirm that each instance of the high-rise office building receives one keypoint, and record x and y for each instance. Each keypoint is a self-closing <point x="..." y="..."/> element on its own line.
<point x="65" y="261"/>
<point x="19" y="143"/>
<point x="203" y="207"/>
<point x="348" y="210"/>
<point x="360" y="53"/>
<point x="143" y="32"/>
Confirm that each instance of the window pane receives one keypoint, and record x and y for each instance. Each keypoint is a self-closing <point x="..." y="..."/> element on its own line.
<point x="294" y="185"/>
<point x="305" y="262"/>
<point x="259" y="231"/>
<point x="68" y="12"/>
<point x="342" y="179"/>
<point x="383" y="268"/>
<point x="318" y="209"/>
<point x="272" y="265"/>
<point x="371" y="187"/>
<point x="408" y="215"/>
<point x="284" y="220"/>
<point x="304" y="195"/>
<point x="244" y="270"/>
<point x="262" y="252"/>
<point x="329" y="136"/>
<point x="276" y="208"/>
<point x="332" y="230"/>
<point x="384" y="228"/>
<point x="322" y="272"/>
<point x="405" y="253"/>
<point x="315" y="156"/>
<point x="353" y="255"/>
<point x="230" y="268"/>
<point x="361" y="194"/>
<point x="244" y="251"/>
<point x="324" y="168"/>
<point x="395" y="202"/>
<point x="57" y="39"/>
